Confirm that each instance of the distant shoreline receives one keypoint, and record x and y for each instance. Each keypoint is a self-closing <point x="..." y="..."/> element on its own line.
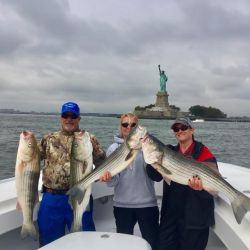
<point x="231" y="119"/>
<point x="17" y="112"/>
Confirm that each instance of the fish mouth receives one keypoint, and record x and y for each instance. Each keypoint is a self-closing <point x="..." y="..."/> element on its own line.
<point x="143" y="131"/>
<point x="26" y="134"/>
<point x="78" y="134"/>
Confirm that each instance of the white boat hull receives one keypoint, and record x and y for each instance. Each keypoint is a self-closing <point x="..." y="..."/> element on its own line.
<point x="233" y="236"/>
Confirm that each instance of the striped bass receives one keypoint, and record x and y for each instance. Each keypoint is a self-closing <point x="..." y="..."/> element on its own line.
<point x="115" y="163"/>
<point x="26" y="177"/>
<point x="180" y="169"/>
<point x="81" y="164"/>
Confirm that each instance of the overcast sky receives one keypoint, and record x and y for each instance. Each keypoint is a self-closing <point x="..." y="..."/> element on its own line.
<point x="104" y="54"/>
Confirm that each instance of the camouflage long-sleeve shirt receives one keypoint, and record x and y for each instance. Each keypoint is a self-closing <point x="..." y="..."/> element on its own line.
<point x="55" y="149"/>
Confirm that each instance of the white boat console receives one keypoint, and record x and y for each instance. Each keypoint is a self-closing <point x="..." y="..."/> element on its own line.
<point x="98" y="240"/>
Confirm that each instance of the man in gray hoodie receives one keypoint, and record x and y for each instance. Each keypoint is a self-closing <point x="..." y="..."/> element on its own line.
<point x="134" y="193"/>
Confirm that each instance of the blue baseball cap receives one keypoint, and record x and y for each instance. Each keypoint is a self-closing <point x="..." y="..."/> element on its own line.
<point x="70" y="107"/>
<point x="183" y="120"/>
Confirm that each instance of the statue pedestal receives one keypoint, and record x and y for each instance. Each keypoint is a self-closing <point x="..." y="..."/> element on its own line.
<point x="161" y="110"/>
<point x="162" y="100"/>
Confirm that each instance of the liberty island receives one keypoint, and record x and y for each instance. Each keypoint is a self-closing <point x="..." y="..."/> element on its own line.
<point x="161" y="109"/>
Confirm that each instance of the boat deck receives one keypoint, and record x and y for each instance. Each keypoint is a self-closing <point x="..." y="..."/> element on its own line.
<point x="226" y="230"/>
<point x="104" y="223"/>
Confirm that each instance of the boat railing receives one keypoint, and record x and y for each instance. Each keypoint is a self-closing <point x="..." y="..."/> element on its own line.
<point x="11" y="218"/>
<point x="226" y="228"/>
<point x="233" y="235"/>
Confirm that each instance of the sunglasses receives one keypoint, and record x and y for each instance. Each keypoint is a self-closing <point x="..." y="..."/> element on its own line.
<point x="182" y="128"/>
<point x="126" y="124"/>
<point x="72" y="116"/>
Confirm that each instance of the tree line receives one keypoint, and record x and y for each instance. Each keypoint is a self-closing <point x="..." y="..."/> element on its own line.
<point x="197" y="111"/>
<point x="206" y="112"/>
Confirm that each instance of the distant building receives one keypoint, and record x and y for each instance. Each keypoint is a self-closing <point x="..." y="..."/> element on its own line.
<point x="8" y="111"/>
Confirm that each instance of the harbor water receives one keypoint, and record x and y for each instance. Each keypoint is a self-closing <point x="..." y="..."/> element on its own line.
<point x="229" y="141"/>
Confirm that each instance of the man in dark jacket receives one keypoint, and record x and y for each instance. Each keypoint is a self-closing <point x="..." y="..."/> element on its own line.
<point x="187" y="211"/>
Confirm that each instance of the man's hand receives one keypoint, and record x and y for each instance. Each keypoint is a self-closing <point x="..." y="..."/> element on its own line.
<point x="106" y="177"/>
<point x="195" y="183"/>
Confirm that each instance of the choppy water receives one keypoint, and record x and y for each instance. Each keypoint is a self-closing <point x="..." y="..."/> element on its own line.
<point x="229" y="141"/>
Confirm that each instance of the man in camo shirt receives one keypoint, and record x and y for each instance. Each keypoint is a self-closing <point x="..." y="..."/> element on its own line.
<point x="55" y="212"/>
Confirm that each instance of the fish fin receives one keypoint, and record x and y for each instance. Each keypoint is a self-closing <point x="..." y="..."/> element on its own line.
<point x="162" y="170"/>
<point x="240" y="205"/>
<point x="18" y="206"/>
<point x="77" y="193"/>
<point x="167" y="180"/>
<point x="76" y="225"/>
<point x="130" y="154"/>
<point x="165" y="170"/>
<point x="71" y="202"/>
<point x="86" y="197"/>
<point x="29" y="230"/>
<point x="37" y="199"/>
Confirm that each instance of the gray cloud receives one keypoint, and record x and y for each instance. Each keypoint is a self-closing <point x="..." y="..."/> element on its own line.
<point x="105" y="56"/>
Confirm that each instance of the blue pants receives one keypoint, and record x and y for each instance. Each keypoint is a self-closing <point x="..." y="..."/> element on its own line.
<point x="55" y="214"/>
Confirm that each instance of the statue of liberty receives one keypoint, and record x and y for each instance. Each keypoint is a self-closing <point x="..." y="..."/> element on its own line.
<point x="163" y="79"/>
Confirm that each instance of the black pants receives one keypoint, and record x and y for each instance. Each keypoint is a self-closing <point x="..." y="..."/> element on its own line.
<point x="183" y="239"/>
<point x="147" y="218"/>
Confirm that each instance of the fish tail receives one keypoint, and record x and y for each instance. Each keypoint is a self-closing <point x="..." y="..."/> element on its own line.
<point x="76" y="228"/>
<point x="77" y="193"/>
<point x="29" y="229"/>
<point x="240" y="205"/>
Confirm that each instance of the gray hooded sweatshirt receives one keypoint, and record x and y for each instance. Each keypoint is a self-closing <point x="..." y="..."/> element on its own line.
<point x="132" y="186"/>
